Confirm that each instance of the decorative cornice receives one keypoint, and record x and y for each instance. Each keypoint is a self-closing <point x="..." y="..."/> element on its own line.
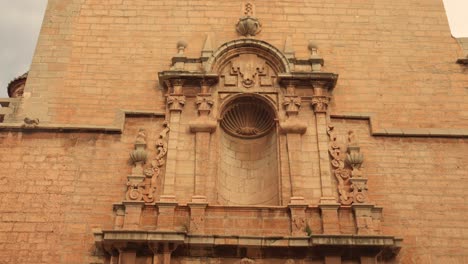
<point x="389" y="245"/>
<point x="305" y="78"/>
<point x="190" y="78"/>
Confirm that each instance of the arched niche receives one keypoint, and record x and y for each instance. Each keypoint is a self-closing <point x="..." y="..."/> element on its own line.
<point x="248" y="171"/>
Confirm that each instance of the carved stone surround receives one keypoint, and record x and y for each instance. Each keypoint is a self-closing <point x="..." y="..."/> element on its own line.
<point x="250" y="90"/>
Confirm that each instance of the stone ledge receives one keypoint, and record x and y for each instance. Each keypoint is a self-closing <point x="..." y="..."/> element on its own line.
<point x="118" y="126"/>
<point x="389" y="244"/>
<point x="260" y="241"/>
<point x="403" y="132"/>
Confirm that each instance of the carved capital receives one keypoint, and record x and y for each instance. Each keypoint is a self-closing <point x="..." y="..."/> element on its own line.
<point x="320" y="103"/>
<point x="292" y="105"/>
<point x="175" y="102"/>
<point x="204" y="104"/>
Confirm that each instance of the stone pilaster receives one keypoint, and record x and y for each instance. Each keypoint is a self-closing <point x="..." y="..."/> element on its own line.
<point x="363" y="216"/>
<point x="294" y="128"/>
<point x="132" y="214"/>
<point x="299" y="225"/>
<point x="119" y="216"/>
<point x="166" y="215"/>
<point x="203" y="126"/>
<point x="175" y="103"/>
<point x="320" y="104"/>
<point x="330" y="220"/>
<point x="197" y="216"/>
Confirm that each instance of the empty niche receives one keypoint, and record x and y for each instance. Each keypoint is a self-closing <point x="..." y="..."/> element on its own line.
<point x="248" y="160"/>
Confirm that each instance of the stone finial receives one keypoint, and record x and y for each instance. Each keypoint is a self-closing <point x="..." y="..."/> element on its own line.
<point x="248" y="26"/>
<point x="181" y="46"/>
<point x="315" y="59"/>
<point x="207" y="47"/>
<point x="313" y="48"/>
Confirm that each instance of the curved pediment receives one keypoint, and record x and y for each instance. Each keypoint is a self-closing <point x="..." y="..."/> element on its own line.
<point x="263" y="50"/>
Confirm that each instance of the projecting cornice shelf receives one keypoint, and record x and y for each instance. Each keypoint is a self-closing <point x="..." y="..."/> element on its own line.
<point x="387" y="245"/>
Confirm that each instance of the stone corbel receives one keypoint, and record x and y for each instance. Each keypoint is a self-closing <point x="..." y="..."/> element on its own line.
<point x="292" y="105"/>
<point x="162" y="251"/>
<point x="205" y="102"/>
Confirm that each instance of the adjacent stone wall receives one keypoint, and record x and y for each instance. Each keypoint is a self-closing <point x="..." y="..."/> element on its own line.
<point x="392" y="58"/>
<point x="420" y="183"/>
<point x="56" y="187"/>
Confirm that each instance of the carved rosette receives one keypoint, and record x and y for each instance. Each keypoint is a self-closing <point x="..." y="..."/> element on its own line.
<point x="141" y="185"/>
<point x="346" y="163"/>
<point x="320" y="103"/>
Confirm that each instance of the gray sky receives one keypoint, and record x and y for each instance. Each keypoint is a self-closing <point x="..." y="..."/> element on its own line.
<point x="20" y="22"/>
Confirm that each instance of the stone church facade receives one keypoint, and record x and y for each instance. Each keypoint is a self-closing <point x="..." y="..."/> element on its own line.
<point x="237" y="132"/>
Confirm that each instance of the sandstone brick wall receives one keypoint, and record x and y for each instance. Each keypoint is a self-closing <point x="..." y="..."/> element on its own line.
<point x="392" y="57"/>
<point x="56" y="187"/>
<point x="420" y="183"/>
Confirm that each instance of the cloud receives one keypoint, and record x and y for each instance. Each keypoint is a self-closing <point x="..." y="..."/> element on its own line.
<point x="20" y="23"/>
